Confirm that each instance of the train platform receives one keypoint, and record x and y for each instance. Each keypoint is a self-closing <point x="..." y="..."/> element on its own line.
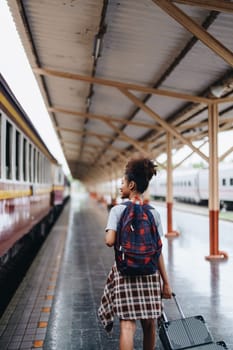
<point x="55" y="306"/>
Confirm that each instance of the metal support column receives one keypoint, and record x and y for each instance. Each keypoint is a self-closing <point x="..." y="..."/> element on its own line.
<point x="214" y="186"/>
<point x="169" y="197"/>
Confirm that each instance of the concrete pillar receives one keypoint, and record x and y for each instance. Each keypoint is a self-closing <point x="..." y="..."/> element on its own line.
<point x="169" y="197"/>
<point x="215" y="253"/>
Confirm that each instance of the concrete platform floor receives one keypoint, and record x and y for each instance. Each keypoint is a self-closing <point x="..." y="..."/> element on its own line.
<point x="202" y="287"/>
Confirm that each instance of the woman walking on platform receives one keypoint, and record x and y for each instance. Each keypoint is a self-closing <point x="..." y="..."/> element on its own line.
<point x="127" y="294"/>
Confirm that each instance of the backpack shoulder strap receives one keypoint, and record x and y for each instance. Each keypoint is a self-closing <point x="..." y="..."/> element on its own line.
<point x="148" y="206"/>
<point x="123" y="217"/>
<point x="150" y="215"/>
<point x="126" y="203"/>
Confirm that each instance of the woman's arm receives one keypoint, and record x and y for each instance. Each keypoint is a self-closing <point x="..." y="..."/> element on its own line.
<point x="110" y="237"/>
<point x="113" y="218"/>
<point x="166" y="289"/>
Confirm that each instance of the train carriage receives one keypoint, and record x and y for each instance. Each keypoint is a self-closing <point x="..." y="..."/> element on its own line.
<point x="192" y="185"/>
<point x="26" y="177"/>
<point x="185" y="185"/>
<point x="225" y="185"/>
<point x="158" y="185"/>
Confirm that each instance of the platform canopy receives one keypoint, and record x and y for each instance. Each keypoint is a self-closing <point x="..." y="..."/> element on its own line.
<point x="118" y="75"/>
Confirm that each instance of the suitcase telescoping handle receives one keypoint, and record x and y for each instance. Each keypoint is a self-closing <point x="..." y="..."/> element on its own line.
<point x="178" y="307"/>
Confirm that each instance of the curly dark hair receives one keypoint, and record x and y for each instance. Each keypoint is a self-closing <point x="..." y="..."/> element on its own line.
<point x="140" y="170"/>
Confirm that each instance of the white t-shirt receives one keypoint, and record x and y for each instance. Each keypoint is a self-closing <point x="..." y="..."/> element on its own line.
<point x="117" y="210"/>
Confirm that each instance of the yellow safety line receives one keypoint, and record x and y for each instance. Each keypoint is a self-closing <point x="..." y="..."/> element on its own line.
<point x="58" y="188"/>
<point x="9" y="194"/>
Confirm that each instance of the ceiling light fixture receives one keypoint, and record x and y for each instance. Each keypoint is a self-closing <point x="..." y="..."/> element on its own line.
<point x="97" y="46"/>
<point x="217" y="90"/>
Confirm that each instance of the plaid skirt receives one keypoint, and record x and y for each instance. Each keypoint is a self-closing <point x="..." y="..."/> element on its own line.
<point x="130" y="298"/>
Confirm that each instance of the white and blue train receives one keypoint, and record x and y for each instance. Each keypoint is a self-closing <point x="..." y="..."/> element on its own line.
<point x="192" y="185"/>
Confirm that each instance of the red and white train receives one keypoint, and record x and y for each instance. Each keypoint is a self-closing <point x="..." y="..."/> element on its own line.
<point x="33" y="186"/>
<point x="192" y="185"/>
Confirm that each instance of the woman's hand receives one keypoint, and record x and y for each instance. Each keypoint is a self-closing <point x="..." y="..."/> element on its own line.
<point x="167" y="291"/>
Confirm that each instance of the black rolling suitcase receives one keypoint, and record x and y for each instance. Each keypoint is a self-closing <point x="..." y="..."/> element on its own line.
<point x="220" y="345"/>
<point x="186" y="332"/>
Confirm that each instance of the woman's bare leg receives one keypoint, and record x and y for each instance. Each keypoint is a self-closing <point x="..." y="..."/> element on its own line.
<point x="127" y="331"/>
<point x="148" y="327"/>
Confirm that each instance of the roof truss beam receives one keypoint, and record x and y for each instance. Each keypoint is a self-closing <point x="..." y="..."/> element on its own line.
<point x="225" y="154"/>
<point x="103" y="118"/>
<point x="212" y="5"/>
<point x="128" y="139"/>
<point x="138" y="145"/>
<point x="118" y="84"/>
<point x="188" y="23"/>
<point x="109" y="121"/>
<point x="162" y="122"/>
<point x="85" y="133"/>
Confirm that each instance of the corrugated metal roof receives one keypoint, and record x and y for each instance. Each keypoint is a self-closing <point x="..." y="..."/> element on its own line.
<point x="140" y="44"/>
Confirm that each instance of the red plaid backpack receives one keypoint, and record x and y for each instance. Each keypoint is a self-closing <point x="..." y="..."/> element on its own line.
<point x="138" y="244"/>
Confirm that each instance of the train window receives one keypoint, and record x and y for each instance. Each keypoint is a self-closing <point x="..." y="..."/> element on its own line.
<point x="59" y="176"/>
<point x="30" y="164"/>
<point x="24" y="159"/>
<point x="8" y="150"/>
<point x="43" y="169"/>
<point x="231" y="181"/>
<point x="224" y="182"/>
<point x="0" y="145"/>
<point x="17" y="154"/>
<point x="38" y="167"/>
<point x="47" y="171"/>
<point x="34" y="165"/>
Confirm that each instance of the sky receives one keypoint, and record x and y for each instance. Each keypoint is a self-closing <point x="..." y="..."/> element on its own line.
<point x="17" y="72"/>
